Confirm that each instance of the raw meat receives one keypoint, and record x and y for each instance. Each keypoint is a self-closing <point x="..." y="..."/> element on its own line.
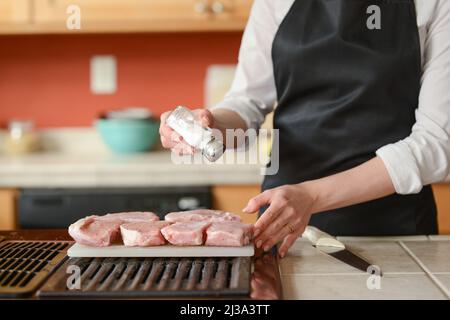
<point x="228" y="234"/>
<point x="143" y="234"/>
<point x="102" y="231"/>
<point x="201" y="215"/>
<point x="131" y="216"/>
<point x="186" y="233"/>
<point x="95" y="232"/>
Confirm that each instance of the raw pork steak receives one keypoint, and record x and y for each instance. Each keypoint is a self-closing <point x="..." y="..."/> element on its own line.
<point x="201" y="215"/>
<point x="185" y="233"/>
<point x="143" y="234"/>
<point x="228" y="234"/>
<point x="95" y="232"/>
<point x="131" y="216"/>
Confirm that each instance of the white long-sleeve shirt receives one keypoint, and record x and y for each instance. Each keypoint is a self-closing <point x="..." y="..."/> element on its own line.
<point x="421" y="158"/>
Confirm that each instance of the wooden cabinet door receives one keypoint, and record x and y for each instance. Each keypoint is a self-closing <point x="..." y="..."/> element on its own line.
<point x="8" y="216"/>
<point x="232" y="10"/>
<point x="234" y="198"/>
<point x="143" y="15"/>
<point x="14" y="15"/>
<point x="442" y="197"/>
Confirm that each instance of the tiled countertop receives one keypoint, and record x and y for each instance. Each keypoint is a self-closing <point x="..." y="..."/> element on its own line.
<point x="76" y="157"/>
<point x="413" y="268"/>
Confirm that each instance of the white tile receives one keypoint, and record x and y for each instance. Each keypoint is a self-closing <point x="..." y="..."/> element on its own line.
<point x="354" y="287"/>
<point x="303" y="258"/>
<point x="444" y="279"/>
<point x="435" y="255"/>
<point x="379" y="239"/>
<point x="439" y="238"/>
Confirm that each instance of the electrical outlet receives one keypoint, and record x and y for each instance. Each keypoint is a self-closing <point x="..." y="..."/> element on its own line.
<point x="103" y="74"/>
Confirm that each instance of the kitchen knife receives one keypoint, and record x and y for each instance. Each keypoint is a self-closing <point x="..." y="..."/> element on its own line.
<point x="333" y="247"/>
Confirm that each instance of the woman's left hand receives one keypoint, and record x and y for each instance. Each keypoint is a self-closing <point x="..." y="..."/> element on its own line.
<point x="285" y="219"/>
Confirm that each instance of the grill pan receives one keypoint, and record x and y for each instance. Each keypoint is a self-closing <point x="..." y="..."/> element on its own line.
<point x="24" y="265"/>
<point x="151" y="277"/>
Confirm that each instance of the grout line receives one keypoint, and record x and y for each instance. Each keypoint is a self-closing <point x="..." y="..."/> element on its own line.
<point x="433" y="278"/>
<point x="442" y="273"/>
<point x="351" y="274"/>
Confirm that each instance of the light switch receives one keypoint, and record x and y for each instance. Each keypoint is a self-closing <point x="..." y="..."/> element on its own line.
<point x="103" y="74"/>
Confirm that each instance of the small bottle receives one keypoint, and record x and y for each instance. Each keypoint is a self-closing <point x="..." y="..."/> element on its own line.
<point x="183" y="121"/>
<point x="22" y="138"/>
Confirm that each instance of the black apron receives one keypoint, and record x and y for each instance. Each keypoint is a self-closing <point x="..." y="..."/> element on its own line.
<point x="345" y="90"/>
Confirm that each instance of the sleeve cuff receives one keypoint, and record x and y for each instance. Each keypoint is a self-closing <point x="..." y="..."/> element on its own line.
<point x="401" y="167"/>
<point x="252" y="118"/>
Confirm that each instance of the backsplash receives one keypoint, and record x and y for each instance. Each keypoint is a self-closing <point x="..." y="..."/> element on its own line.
<point x="45" y="78"/>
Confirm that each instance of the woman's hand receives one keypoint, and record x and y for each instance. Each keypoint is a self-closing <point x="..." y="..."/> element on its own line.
<point x="172" y="140"/>
<point x="288" y="214"/>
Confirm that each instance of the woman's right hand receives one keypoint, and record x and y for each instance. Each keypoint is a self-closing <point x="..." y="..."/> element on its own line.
<point x="173" y="141"/>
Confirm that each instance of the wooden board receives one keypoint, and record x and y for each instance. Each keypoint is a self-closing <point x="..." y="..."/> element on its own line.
<point x="78" y="250"/>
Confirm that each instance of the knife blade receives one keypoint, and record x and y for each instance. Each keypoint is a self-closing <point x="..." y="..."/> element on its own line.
<point x="336" y="249"/>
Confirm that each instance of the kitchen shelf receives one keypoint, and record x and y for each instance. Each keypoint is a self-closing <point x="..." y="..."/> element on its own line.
<point x="118" y="16"/>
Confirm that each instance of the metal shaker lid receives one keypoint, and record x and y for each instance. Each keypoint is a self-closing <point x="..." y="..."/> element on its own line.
<point x="213" y="150"/>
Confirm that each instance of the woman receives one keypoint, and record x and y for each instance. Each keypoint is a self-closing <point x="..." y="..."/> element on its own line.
<point x="363" y="111"/>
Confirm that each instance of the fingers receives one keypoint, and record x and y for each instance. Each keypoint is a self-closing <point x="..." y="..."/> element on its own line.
<point x="286" y="217"/>
<point x="172" y="140"/>
<point x="169" y="138"/>
<point x="273" y="240"/>
<point x="183" y="148"/>
<point x="206" y="117"/>
<point x="288" y="242"/>
<point x="257" y="202"/>
<point x="168" y="142"/>
<point x="269" y="216"/>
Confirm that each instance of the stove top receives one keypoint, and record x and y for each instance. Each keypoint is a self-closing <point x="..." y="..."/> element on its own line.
<point x="150" y="277"/>
<point x="121" y="278"/>
<point x="25" y="265"/>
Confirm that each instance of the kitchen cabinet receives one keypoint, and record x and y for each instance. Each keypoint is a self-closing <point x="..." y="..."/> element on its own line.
<point x="142" y="15"/>
<point x="234" y="198"/>
<point x="442" y="196"/>
<point x="14" y="15"/>
<point x="8" y="220"/>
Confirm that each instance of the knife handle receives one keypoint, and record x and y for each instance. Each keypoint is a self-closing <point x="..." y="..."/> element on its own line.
<point x="320" y="238"/>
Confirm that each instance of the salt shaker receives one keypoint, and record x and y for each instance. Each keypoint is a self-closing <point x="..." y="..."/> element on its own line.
<point x="183" y="121"/>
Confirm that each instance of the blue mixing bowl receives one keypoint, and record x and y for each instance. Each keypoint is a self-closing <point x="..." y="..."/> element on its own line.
<point x="127" y="136"/>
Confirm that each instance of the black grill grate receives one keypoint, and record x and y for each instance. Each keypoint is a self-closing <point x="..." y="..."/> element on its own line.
<point x="150" y="277"/>
<point x="24" y="265"/>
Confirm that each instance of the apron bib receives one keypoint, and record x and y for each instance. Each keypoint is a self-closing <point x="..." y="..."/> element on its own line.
<point x="348" y="83"/>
